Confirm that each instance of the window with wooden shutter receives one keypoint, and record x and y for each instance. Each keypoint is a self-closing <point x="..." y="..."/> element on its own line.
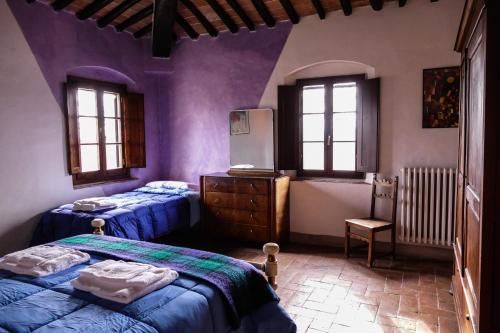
<point x="133" y="134"/>
<point x="96" y="126"/>
<point x="288" y="128"/>
<point x="328" y="127"/>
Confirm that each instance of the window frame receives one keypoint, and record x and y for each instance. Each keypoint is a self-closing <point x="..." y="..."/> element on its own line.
<point x="328" y="82"/>
<point x="102" y="175"/>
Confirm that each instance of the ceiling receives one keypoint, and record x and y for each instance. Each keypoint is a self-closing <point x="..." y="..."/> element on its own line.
<point x="200" y="17"/>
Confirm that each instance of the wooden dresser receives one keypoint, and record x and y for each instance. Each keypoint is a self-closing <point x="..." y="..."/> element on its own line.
<point x="245" y="208"/>
<point x="477" y="230"/>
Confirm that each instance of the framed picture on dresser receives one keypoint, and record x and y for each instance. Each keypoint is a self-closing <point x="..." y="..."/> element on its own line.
<point x="239" y="123"/>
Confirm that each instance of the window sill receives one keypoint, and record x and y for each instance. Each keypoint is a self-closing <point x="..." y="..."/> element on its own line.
<point x="332" y="180"/>
<point x="104" y="182"/>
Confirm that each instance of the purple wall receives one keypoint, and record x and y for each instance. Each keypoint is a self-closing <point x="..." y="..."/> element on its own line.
<point x="64" y="45"/>
<point x="210" y="78"/>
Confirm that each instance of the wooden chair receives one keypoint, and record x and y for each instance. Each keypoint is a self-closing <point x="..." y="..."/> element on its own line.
<point x="372" y="224"/>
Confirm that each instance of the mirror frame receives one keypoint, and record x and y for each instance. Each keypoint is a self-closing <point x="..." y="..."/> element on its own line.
<point x="256" y="171"/>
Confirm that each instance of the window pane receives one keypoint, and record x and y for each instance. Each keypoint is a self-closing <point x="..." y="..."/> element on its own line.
<point x="113" y="157"/>
<point x="110" y="103"/>
<point x="112" y="130"/>
<point x="86" y="102"/>
<point x="313" y="127"/>
<point x="89" y="155"/>
<point x="313" y="99"/>
<point x="87" y="129"/>
<point x="344" y="97"/>
<point x="344" y="156"/>
<point x="313" y="156"/>
<point x="344" y="126"/>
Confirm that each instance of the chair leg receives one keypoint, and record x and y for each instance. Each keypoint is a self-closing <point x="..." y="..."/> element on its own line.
<point x="371" y="245"/>
<point x="393" y="243"/>
<point x="347" y="246"/>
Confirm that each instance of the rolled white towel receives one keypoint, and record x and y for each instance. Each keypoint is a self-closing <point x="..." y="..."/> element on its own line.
<point x="42" y="260"/>
<point x="129" y="284"/>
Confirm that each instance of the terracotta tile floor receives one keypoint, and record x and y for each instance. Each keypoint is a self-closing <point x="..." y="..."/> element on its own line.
<point x="324" y="292"/>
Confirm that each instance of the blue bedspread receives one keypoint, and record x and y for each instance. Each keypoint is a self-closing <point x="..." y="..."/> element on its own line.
<point x="143" y="214"/>
<point x="51" y="304"/>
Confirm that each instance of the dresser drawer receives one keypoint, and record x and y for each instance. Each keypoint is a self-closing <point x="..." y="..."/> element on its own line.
<point x="242" y="232"/>
<point x="238" y="216"/>
<point x="238" y="201"/>
<point x="236" y="185"/>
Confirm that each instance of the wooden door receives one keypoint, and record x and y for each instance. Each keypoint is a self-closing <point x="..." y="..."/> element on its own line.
<point x="461" y="174"/>
<point x="474" y="161"/>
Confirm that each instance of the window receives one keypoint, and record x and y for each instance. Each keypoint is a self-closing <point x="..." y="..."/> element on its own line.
<point x="333" y="125"/>
<point x="97" y="126"/>
<point x="328" y="109"/>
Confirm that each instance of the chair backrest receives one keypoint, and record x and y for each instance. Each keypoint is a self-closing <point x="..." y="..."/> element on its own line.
<point x="390" y="185"/>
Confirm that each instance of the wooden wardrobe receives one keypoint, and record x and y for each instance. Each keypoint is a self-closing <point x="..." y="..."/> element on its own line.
<point x="476" y="280"/>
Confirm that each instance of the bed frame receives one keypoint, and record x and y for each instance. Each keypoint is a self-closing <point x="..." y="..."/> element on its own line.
<point x="269" y="267"/>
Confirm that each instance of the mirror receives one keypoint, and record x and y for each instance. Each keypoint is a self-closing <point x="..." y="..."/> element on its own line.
<point x="251" y="140"/>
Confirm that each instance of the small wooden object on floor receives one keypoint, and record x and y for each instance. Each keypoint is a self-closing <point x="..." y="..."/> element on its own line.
<point x="372" y="225"/>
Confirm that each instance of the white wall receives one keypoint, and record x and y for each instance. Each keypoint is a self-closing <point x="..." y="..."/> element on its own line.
<point x="32" y="139"/>
<point x="395" y="44"/>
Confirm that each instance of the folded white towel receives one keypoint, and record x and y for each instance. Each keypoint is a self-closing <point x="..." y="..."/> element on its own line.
<point x="42" y="260"/>
<point x="98" y="201"/>
<point x="112" y="274"/>
<point x="88" y="207"/>
<point x="121" y="281"/>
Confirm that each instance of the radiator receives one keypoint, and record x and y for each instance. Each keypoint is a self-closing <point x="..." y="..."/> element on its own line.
<point x="428" y="206"/>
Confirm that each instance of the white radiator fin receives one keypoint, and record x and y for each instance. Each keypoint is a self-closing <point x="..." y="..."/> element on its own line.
<point x="428" y="206"/>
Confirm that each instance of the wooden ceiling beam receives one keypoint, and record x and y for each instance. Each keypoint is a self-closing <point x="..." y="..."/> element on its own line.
<point x="263" y="11"/>
<point x="201" y="18"/>
<point x="242" y="14"/>
<point x="402" y="3"/>
<point x="290" y="11"/>
<point x="347" y="7"/>
<point x="377" y="4"/>
<point x="186" y="26"/>
<point x="144" y="31"/>
<point x="319" y="9"/>
<point x="136" y="17"/>
<point x="92" y="8"/>
<point x="163" y="27"/>
<point x="61" y="4"/>
<point x="228" y="21"/>
<point x="115" y="12"/>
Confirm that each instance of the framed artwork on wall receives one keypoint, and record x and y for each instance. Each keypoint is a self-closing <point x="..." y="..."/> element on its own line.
<point x="239" y="123"/>
<point x="441" y="87"/>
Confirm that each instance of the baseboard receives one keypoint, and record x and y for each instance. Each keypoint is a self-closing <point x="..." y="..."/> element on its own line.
<point x="407" y="250"/>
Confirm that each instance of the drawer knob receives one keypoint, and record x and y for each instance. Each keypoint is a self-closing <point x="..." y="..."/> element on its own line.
<point x="252" y="185"/>
<point x="251" y="230"/>
<point x="251" y="217"/>
<point x="217" y="200"/>
<point x="467" y="316"/>
<point x="253" y="202"/>
<point x="216" y="185"/>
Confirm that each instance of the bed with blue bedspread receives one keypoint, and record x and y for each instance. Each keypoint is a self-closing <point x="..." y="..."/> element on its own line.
<point x="143" y="214"/>
<point x="213" y="294"/>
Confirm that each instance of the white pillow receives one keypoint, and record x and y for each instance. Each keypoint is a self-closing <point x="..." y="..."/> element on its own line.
<point x="171" y="184"/>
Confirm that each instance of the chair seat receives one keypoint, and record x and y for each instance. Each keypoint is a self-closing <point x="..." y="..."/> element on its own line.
<point x="368" y="223"/>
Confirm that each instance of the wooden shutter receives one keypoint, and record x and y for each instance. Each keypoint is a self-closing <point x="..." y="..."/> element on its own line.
<point x="288" y="127"/>
<point x="133" y="131"/>
<point x="368" y="123"/>
<point x="73" y="142"/>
